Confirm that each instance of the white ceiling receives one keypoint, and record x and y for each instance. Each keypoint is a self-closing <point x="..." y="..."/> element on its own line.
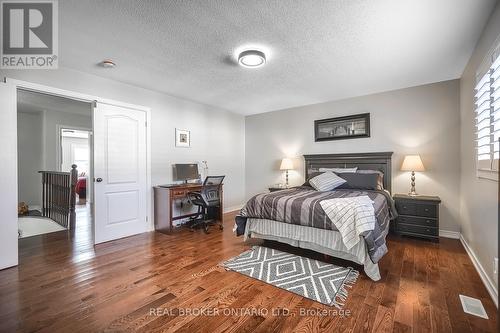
<point x="318" y="50"/>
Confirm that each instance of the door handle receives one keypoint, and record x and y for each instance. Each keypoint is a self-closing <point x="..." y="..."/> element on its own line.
<point x="98" y="180"/>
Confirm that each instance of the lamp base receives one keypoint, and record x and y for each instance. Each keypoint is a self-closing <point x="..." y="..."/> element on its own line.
<point x="412" y="192"/>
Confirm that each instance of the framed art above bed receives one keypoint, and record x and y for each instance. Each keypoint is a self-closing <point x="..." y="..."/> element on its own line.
<point x="339" y="128"/>
<point x="379" y="161"/>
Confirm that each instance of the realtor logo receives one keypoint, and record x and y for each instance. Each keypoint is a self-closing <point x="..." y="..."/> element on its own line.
<point x="29" y="34"/>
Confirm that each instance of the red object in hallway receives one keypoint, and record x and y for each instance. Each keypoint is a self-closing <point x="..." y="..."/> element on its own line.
<point x="81" y="187"/>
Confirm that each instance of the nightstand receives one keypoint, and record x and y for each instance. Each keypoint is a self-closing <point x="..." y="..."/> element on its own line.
<point x="418" y="216"/>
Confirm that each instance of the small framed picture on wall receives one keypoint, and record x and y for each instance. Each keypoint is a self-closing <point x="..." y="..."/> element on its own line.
<point x="182" y="138"/>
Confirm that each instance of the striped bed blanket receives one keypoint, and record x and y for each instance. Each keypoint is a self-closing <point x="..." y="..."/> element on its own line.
<point x="302" y="206"/>
<point x="352" y="217"/>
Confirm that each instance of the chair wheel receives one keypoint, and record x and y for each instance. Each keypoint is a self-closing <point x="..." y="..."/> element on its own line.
<point x="221" y="227"/>
<point x="205" y="229"/>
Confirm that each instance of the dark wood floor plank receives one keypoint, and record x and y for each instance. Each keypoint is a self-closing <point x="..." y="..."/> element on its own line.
<point x="65" y="284"/>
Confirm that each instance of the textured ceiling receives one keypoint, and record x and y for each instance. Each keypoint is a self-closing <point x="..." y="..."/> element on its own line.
<point x="317" y="50"/>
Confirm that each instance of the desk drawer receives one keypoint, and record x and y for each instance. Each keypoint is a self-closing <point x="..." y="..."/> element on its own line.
<point x="416" y="229"/>
<point x="421" y="221"/>
<point x="178" y="193"/>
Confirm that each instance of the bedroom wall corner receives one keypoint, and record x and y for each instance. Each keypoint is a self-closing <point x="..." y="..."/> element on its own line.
<point x="478" y="197"/>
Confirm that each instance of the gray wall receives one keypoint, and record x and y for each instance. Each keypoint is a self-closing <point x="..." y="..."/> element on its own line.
<point x="29" y="157"/>
<point x="217" y="135"/>
<point x="479" y="212"/>
<point x="423" y="119"/>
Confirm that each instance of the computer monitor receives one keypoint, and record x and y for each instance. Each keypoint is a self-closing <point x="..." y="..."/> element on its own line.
<point x="185" y="172"/>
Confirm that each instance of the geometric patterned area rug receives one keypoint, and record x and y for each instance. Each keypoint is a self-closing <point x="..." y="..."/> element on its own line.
<point x="322" y="282"/>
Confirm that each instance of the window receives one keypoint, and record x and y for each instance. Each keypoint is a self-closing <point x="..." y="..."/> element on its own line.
<point x="81" y="158"/>
<point x="487" y="110"/>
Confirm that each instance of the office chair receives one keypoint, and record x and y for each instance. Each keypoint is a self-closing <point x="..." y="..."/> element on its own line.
<point x="208" y="202"/>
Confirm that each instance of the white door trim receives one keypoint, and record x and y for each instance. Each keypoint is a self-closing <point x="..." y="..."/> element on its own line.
<point x="8" y="177"/>
<point x="19" y="84"/>
<point x="71" y="94"/>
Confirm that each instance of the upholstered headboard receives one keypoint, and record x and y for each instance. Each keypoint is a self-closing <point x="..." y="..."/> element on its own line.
<point x="364" y="161"/>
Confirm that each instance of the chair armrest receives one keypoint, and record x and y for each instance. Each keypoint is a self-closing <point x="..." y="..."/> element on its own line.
<point x="195" y="196"/>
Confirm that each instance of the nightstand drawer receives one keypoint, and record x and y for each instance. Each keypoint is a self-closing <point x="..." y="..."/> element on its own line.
<point x="421" y="221"/>
<point x="427" y="210"/>
<point x="416" y="209"/>
<point x="416" y="229"/>
<point x="406" y="208"/>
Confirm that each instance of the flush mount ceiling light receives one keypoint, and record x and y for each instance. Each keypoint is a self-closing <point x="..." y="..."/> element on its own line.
<point x="108" y="64"/>
<point x="252" y="58"/>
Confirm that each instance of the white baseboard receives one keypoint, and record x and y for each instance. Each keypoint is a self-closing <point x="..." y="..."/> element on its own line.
<point x="490" y="286"/>
<point x="449" y="234"/>
<point x="233" y="208"/>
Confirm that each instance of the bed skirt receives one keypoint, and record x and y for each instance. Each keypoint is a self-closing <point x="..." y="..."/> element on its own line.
<point x="328" y="242"/>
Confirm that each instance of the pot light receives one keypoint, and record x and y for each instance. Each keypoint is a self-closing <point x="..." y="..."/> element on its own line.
<point x="252" y="58"/>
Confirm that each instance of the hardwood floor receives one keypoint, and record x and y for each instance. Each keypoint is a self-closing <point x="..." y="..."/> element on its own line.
<point x="64" y="284"/>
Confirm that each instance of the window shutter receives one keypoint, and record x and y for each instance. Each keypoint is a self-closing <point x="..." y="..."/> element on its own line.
<point x="483" y="121"/>
<point x="487" y="120"/>
<point x="495" y="109"/>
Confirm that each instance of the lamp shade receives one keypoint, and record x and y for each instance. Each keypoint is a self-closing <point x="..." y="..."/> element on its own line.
<point x="286" y="164"/>
<point x="412" y="163"/>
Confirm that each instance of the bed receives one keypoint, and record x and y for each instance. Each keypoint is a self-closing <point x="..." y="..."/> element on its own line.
<point x="294" y="216"/>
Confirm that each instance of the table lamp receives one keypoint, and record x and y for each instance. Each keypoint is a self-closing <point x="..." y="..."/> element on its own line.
<point x="286" y="164"/>
<point x="412" y="163"/>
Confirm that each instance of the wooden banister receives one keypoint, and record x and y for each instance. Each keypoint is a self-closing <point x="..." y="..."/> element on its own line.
<point x="59" y="196"/>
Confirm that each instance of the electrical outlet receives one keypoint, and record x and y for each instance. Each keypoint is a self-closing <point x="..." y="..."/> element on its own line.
<point x="495" y="266"/>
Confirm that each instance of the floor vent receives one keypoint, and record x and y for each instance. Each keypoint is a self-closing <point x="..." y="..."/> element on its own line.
<point x="473" y="306"/>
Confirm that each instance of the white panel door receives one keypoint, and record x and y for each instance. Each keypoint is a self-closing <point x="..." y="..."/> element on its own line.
<point x="120" y="172"/>
<point x="8" y="175"/>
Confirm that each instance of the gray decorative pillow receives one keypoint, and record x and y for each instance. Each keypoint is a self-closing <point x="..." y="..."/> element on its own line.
<point x="326" y="181"/>
<point x="360" y="181"/>
<point x="380" y="177"/>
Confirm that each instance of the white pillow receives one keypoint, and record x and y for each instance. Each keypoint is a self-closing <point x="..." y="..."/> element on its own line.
<point x="326" y="181"/>
<point x="339" y="170"/>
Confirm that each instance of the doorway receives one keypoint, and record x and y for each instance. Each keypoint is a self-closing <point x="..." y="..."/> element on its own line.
<point x="104" y="153"/>
<point x="54" y="141"/>
<point x="75" y="149"/>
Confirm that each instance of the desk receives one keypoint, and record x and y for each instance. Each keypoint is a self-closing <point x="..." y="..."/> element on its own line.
<point x="164" y="199"/>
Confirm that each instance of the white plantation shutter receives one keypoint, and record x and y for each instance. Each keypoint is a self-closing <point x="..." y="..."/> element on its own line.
<point x="495" y="107"/>
<point x="487" y="110"/>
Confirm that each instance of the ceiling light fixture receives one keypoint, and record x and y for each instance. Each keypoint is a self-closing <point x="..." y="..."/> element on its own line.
<point x="252" y="58"/>
<point x="108" y="64"/>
